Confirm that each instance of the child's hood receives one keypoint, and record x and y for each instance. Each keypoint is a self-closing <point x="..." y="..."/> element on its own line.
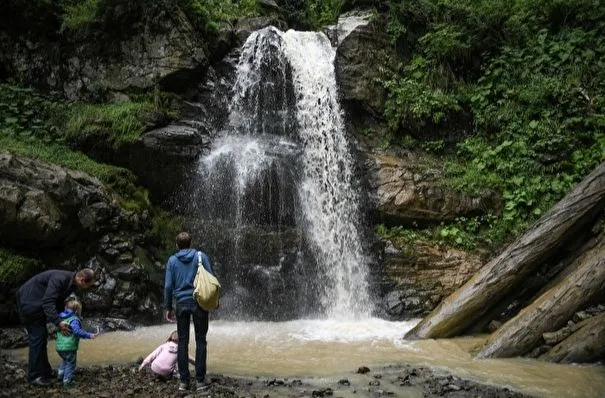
<point x="67" y="313"/>
<point x="172" y="347"/>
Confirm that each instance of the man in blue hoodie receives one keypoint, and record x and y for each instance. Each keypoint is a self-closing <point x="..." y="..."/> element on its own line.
<point x="180" y="274"/>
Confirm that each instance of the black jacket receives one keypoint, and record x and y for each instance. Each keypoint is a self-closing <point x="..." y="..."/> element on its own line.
<point x="44" y="295"/>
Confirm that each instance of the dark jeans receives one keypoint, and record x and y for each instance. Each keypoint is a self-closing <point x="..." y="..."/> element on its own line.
<point x="37" y="335"/>
<point x="184" y="312"/>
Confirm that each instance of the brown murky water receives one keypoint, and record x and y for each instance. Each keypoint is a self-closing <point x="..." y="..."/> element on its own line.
<point x="315" y="348"/>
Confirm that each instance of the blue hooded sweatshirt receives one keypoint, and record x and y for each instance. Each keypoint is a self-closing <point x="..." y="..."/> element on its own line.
<point x="180" y="274"/>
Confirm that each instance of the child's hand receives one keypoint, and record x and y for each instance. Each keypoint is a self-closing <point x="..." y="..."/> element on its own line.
<point x="94" y="335"/>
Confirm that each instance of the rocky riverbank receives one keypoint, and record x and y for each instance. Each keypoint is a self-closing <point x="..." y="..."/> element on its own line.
<point x="125" y="381"/>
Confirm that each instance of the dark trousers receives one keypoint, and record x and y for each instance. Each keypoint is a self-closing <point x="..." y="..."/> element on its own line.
<point x="184" y="312"/>
<point x="37" y="335"/>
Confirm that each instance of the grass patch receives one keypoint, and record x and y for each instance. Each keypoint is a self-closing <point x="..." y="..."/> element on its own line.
<point x="119" y="122"/>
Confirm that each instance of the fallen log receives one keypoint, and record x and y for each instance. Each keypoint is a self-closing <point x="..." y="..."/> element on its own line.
<point x="552" y="309"/>
<point x="587" y="344"/>
<point x="498" y="277"/>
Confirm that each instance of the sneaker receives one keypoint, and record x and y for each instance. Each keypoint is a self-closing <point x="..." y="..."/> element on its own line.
<point x="202" y="387"/>
<point x="183" y="386"/>
<point x="40" y="382"/>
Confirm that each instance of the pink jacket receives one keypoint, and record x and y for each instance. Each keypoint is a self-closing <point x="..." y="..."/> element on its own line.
<point x="162" y="359"/>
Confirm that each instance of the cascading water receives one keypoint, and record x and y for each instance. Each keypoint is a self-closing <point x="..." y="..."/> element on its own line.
<point x="279" y="188"/>
<point x="328" y="200"/>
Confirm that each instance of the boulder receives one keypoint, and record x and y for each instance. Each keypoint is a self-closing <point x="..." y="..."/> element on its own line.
<point x="360" y="53"/>
<point x="49" y="206"/>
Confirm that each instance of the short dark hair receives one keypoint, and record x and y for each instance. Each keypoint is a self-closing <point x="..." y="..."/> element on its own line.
<point x="183" y="240"/>
<point x="88" y="275"/>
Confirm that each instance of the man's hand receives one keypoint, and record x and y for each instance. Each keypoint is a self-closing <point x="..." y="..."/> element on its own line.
<point x="169" y="315"/>
<point x="65" y="329"/>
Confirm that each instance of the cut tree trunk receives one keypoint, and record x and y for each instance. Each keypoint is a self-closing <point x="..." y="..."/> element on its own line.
<point x="587" y="344"/>
<point x="552" y="309"/>
<point x="498" y="277"/>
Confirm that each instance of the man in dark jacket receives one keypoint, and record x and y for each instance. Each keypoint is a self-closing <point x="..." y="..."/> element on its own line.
<point x="39" y="302"/>
<point x="180" y="274"/>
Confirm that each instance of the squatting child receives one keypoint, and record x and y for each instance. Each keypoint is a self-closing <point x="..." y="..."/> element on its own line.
<point x="163" y="359"/>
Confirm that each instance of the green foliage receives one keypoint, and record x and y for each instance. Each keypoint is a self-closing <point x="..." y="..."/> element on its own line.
<point x="323" y="12"/>
<point x="33" y="126"/>
<point x="121" y="122"/>
<point x="25" y="113"/>
<point x="529" y="73"/>
<point x="164" y="228"/>
<point x="79" y="15"/>
<point x="414" y="99"/>
<point x="463" y="233"/>
<point x="15" y="268"/>
<point x="213" y="12"/>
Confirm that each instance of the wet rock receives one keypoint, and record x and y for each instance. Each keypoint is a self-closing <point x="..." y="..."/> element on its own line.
<point x="116" y="381"/>
<point x="422" y="274"/>
<point x="128" y="273"/>
<point x="244" y="27"/>
<point x="405" y="190"/>
<point x="13" y="338"/>
<point x="45" y="205"/>
<point x="359" y="55"/>
<point x="493" y="326"/>
<point x="100" y="298"/>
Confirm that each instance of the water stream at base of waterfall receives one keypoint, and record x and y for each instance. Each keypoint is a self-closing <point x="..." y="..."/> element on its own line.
<point x="336" y="349"/>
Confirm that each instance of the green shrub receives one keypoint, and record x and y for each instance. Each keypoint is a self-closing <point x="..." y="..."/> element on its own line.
<point x="15" y="268"/>
<point x="79" y="15"/>
<point x="530" y="74"/>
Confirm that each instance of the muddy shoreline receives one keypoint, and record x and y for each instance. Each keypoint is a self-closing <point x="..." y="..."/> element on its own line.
<point x="125" y="381"/>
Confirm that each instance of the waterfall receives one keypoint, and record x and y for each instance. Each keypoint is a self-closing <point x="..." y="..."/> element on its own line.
<point x="279" y="184"/>
<point x="329" y="202"/>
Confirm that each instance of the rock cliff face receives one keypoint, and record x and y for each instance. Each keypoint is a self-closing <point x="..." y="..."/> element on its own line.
<point x="170" y="55"/>
<point x="48" y="206"/>
<point x="423" y="275"/>
<point x="407" y="189"/>
<point x="70" y="220"/>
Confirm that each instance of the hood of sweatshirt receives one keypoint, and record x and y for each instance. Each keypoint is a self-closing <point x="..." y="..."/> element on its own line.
<point x="66" y="314"/>
<point x="172" y="347"/>
<point x="186" y="256"/>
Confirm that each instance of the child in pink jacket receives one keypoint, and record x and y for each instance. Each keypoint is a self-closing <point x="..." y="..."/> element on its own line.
<point x="163" y="358"/>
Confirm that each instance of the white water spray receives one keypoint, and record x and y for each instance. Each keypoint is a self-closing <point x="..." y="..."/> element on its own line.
<point x="278" y="75"/>
<point x="329" y="202"/>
